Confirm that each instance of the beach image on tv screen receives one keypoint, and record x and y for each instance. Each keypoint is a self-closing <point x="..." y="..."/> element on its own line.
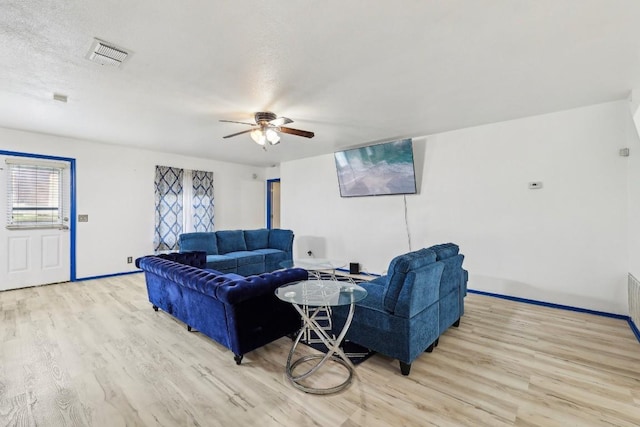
<point x="377" y="170"/>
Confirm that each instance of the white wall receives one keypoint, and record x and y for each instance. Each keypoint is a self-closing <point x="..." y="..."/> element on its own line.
<point x="115" y="188"/>
<point x="272" y="172"/>
<point x="566" y="243"/>
<point x="634" y="186"/>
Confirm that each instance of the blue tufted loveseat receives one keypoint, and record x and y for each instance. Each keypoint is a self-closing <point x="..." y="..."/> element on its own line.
<point x="241" y="313"/>
<point x="243" y="252"/>
<point x="407" y="310"/>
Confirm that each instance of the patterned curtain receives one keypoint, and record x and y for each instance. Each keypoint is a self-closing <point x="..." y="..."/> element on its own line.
<point x="168" y="196"/>
<point x="202" y="201"/>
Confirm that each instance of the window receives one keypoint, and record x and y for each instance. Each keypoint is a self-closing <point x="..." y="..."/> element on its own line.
<point x="202" y="200"/>
<point x="36" y="196"/>
<point x="184" y="203"/>
<point x="168" y="195"/>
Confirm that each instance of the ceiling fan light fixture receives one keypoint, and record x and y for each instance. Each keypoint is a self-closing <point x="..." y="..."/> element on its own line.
<point x="272" y="136"/>
<point x="267" y="129"/>
<point x="258" y="136"/>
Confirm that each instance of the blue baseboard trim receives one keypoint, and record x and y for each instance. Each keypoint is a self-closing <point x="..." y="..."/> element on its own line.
<point x="81" y="279"/>
<point x="634" y="328"/>
<point x="551" y="305"/>
<point x="632" y="325"/>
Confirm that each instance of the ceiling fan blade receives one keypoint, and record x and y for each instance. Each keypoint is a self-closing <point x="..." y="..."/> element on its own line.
<point x="238" y="133"/>
<point x="280" y="121"/>
<point x="242" y="123"/>
<point x="297" y="132"/>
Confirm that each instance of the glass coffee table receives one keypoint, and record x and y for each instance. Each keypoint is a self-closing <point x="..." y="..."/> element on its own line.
<point x="318" y="267"/>
<point x="310" y="297"/>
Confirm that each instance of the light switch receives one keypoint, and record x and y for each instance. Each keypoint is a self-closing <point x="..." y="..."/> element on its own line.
<point x="83" y="218"/>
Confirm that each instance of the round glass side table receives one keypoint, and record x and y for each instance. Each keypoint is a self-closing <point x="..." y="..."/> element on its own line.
<point x="309" y="297"/>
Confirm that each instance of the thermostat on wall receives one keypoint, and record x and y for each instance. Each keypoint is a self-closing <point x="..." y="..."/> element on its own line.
<point x="535" y="185"/>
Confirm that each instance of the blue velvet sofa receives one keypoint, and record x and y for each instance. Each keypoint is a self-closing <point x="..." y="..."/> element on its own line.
<point x="241" y="313"/>
<point x="407" y="310"/>
<point x="244" y="252"/>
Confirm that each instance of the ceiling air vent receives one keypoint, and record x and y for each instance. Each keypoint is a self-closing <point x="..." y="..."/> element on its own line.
<point x="106" y="53"/>
<point x="59" y="97"/>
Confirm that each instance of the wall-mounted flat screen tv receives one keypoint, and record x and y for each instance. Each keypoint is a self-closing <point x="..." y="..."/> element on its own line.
<point x="377" y="170"/>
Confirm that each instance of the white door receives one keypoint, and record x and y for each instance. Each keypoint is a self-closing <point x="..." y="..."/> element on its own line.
<point x="34" y="226"/>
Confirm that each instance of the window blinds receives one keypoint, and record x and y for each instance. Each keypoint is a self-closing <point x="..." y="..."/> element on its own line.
<point x="36" y="194"/>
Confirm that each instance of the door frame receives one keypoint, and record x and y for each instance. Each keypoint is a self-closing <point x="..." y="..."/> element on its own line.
<point x="269" y="203"/>
<point x="72" y="195"/>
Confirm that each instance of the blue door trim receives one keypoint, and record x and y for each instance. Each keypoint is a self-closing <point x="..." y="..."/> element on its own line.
<point x="72" y="214"/>
<point x="269" y="207"/>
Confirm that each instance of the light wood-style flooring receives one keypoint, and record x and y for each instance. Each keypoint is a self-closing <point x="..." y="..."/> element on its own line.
<point x="95" y="354"/>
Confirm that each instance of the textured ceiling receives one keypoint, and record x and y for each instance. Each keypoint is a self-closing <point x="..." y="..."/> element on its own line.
<point x="353" y="72"/>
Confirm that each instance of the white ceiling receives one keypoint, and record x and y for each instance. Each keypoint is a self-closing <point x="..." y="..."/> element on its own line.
<point x="353" y="72"/>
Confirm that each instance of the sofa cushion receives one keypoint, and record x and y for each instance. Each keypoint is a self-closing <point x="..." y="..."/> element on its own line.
<point x="246" y="257"/>
<point x="275" y="257"/>
<point x="280" y="239"/>
<point x="212" y="271"/>
<point x="451" y="277"/>
<point x="198" y="242"/>
<point x="445" y="250"/>
<point x="404" y="257"/>
<point x="230" y="241"/>
<point x="415" y="295"/>
<point x="221" y="262"/>
<point x="397" y="272"/>
<point x="256" y="239"/>
<point x="268" y="251"/>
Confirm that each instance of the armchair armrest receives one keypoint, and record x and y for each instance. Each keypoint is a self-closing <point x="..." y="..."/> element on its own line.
<point x="236" y="291"/>
<point x="375" y="296"/>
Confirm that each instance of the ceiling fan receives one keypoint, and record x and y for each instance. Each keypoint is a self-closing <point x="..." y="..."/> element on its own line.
<point x="268" y="127"/>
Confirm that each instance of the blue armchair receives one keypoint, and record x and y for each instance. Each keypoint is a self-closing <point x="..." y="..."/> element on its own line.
<point x="407" y="310"/>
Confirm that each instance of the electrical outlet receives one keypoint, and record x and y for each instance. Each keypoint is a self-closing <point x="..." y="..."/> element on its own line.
<point x="129" y="260"/>
<point x="535" y="185"/>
